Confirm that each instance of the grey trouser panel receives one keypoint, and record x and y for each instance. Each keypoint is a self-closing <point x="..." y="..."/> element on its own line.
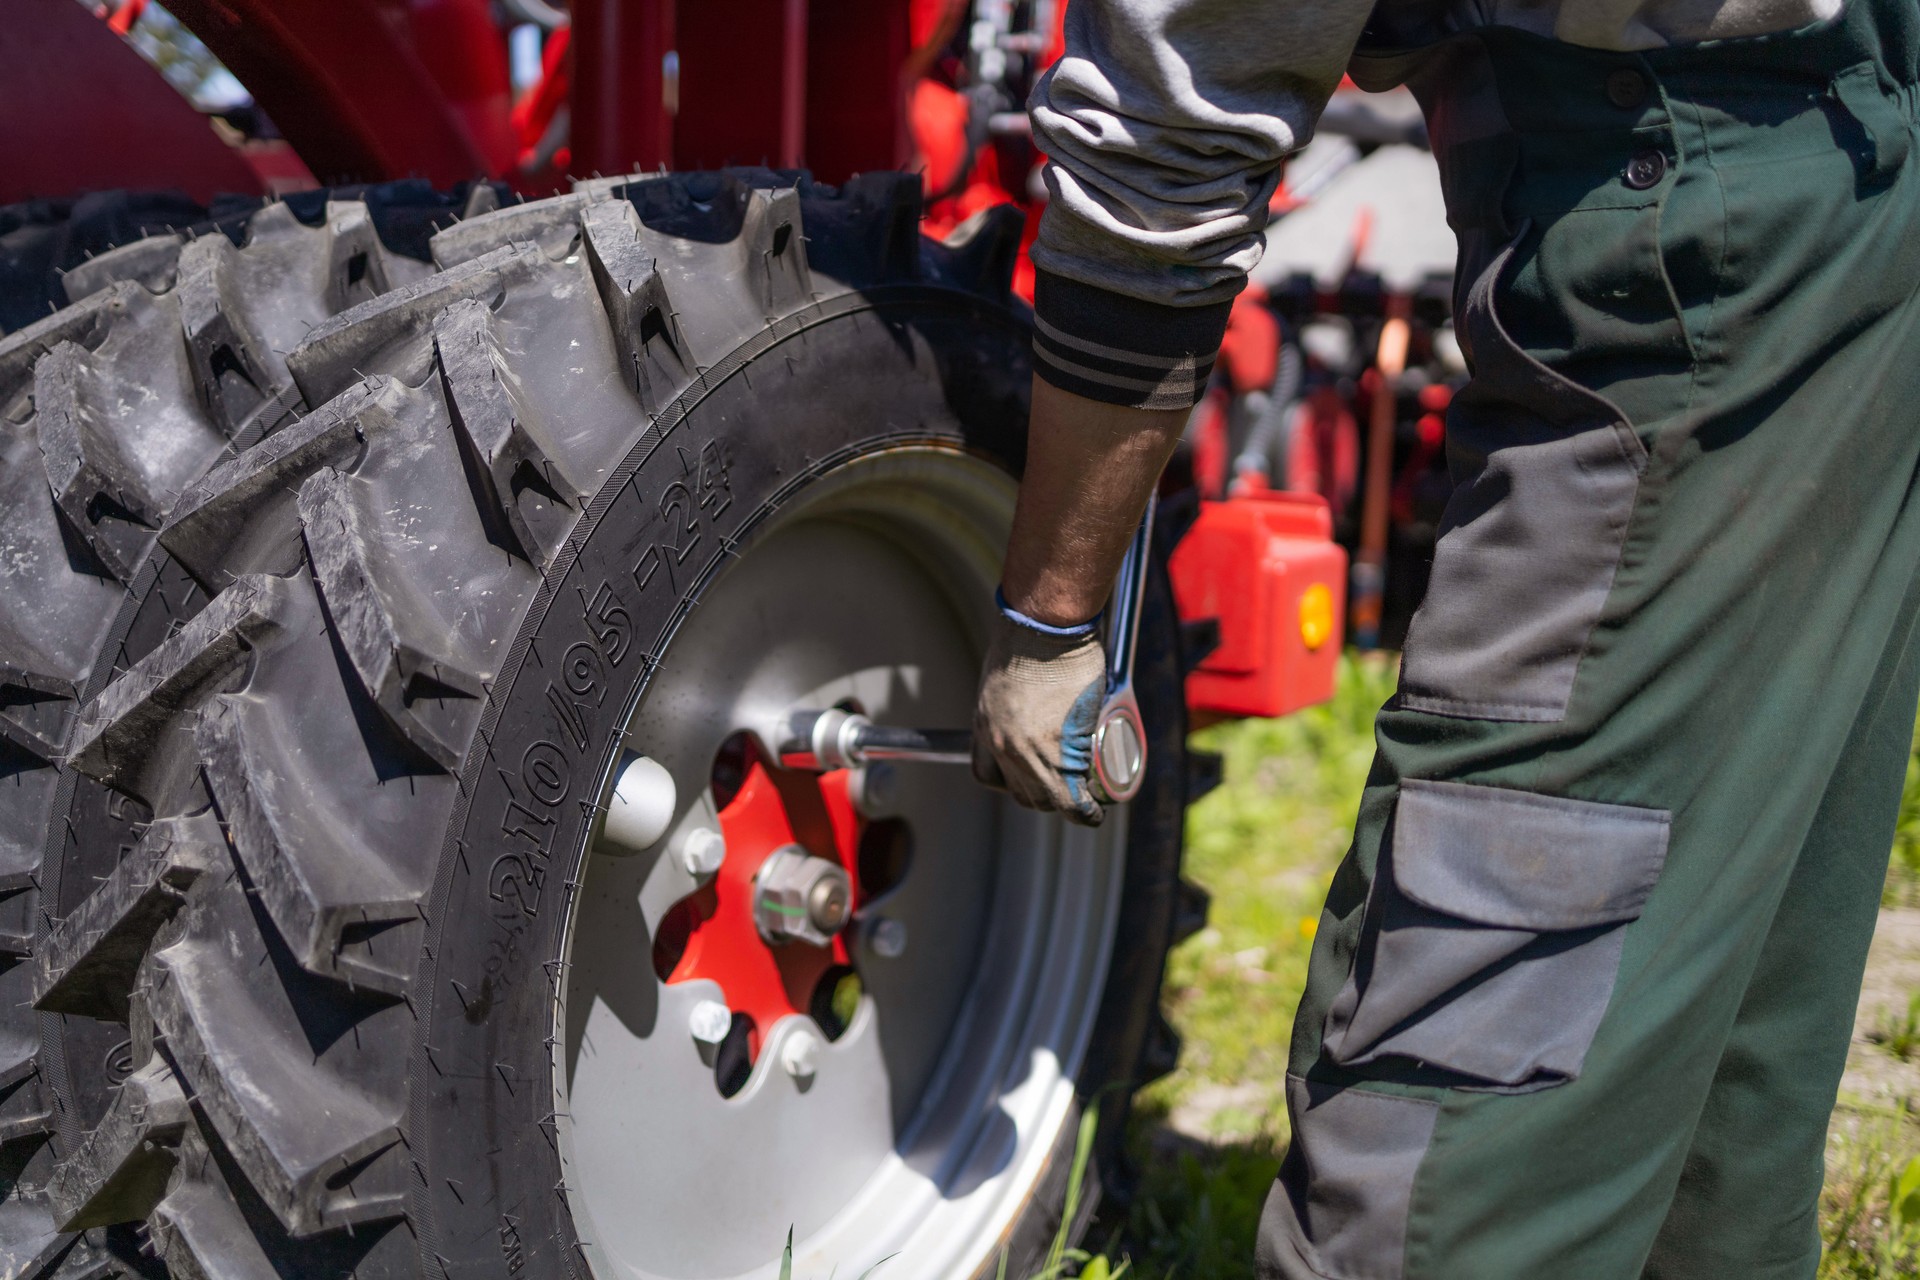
<point x="1582" y="991"/>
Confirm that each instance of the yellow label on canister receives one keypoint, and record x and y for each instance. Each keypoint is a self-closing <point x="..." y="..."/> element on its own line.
<point x="1316" y="615"/>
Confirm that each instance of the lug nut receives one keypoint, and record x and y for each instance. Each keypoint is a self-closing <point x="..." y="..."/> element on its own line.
<point x="800" y="898"/>
<point x="710" y="1021"/>
<point x="702" y="850"/>
<point x="801" y="1056"/>
<point x="887" y="937"/>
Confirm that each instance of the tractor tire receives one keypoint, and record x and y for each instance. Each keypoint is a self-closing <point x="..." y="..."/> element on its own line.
<point x="48" y="248"/>
<point x="41" y="238"/>
<point x="169" y="359"/>
<point x="327" y="871"/>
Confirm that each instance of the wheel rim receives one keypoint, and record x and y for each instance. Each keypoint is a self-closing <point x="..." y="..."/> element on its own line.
<point x="923" y="1129"/>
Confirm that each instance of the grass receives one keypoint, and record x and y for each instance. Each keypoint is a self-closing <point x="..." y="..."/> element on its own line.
<point x="1209" y="1137"/>
<point x="1903" y="875"/>
<point x="1870" y="1206"/>
<point x="1899" y="1033"/>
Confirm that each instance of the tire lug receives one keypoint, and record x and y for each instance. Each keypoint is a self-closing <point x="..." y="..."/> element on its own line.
<point x="709" y="1021"/>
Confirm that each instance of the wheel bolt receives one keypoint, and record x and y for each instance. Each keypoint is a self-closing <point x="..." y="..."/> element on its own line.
<point x="874" y="793"/>
<point x="887" y="937"/>
<point x="829" y="903"/>
<point x="702" y="851"/>
<point x="801" y="1056"/>
<point x="800" y="898"/>
<point x="710" y="1021"/>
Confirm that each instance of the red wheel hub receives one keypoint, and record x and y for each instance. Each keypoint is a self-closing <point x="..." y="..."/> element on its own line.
<point x="773" y="808"/>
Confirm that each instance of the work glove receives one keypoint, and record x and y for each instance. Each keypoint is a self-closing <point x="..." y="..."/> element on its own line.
<point x="1040" y="696"/>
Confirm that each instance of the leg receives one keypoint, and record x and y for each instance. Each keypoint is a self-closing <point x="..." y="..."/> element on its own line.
<point x="1748" y="1199"/>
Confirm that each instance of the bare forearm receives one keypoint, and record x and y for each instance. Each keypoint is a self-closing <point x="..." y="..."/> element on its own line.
<point x="1090" y="469"/>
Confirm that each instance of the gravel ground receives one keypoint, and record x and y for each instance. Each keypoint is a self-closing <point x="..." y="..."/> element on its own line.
<point x="1876" y="1076"/>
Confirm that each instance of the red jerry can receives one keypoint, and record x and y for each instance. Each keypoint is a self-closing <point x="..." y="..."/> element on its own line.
<point x="1265" y="567"/>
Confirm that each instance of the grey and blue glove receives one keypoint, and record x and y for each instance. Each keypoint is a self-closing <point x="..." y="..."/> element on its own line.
<point x="1041" y="689"/>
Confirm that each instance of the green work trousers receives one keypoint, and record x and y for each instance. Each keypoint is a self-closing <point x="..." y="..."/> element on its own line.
<point x="1582" y="991"/>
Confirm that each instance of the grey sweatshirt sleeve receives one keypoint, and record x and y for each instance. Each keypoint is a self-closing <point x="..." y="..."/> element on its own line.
<point x="1165" y="123"/>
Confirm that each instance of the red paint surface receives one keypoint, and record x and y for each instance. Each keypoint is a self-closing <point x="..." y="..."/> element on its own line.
<point x="742" y="93"/>
<point x="1323" y="457"/>
<point x="84" y="112"/>
<point x="1246" y="563"/>
<point x="774" y="807"/>
<point x="855" y="95"/>
<point x="352" y="83"/>
<point x="1250" y="352"/>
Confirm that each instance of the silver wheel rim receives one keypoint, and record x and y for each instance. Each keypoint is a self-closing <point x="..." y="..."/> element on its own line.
<point x="926" y="1126"/>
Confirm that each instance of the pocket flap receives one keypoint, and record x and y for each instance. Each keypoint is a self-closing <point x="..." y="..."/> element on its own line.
<point x="1525" y="861"/>
<point x="1861" y="93"/>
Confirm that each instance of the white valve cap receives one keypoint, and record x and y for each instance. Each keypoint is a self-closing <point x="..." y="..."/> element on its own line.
<point x="709" y="1021"/>
<point x="642" y="806"/>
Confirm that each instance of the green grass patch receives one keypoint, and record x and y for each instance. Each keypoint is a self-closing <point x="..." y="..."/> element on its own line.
<point x="1870" y="1206"/>
<point x="1899" y="1033"/>
<point x="1265" y="844"/>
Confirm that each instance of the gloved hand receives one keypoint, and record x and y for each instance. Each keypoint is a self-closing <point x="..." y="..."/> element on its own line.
<point x="1040" y="695"/>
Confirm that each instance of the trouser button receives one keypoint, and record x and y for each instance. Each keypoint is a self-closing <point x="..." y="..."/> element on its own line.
<point x="1626" y="88"/>
<point x="1646" y="169"/>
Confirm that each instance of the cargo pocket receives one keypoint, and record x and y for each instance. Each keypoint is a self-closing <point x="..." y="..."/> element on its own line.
<point x="1546" y="475"/>
<point x="1494" y="932"/>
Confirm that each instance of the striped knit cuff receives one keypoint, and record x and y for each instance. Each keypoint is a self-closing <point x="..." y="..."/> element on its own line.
<point x="1107" y="346"/>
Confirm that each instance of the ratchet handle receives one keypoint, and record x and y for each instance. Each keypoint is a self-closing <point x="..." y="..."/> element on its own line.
<point x="885" y="742"/>
<point x="845" y="740"/>
<point x="840" y="739"/>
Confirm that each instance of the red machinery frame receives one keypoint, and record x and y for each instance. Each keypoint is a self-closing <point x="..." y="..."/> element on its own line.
<point x="85" y="112"/>
<point x="371" y="90"/>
